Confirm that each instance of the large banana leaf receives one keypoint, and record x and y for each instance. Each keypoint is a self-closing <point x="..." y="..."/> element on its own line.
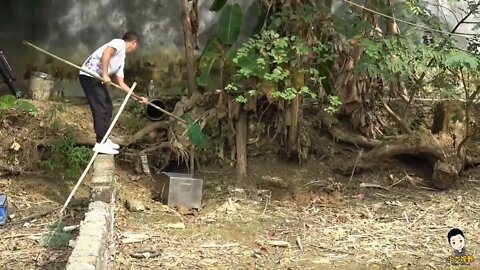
<point x="209" y="56"/>
<point x="217" y="5"/>
<point x="230" y="24"/>
<point x="205" y="67"/>
<point x="194" y="132"/>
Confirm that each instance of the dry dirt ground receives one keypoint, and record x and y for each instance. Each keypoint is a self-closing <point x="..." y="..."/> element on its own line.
<point x="301" y="217"/>
<point x="35" y="197"/>
<point x="34" y="203"/>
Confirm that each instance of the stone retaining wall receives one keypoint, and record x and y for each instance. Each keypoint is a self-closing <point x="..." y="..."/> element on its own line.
<point x="92" y="247"/>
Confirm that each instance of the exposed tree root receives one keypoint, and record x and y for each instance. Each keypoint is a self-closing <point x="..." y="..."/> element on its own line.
<point x="442" y="147"/>
<point x="163" y="145"/>
<point x="146" y="130"/>
<point x="472" y="161"/>
<point x="446" y="168"/>
<point x="335" y="130"/>
<point x="89" y="140"/>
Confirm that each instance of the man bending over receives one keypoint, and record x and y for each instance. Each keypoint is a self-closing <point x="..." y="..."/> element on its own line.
<point x="106" y="61"/>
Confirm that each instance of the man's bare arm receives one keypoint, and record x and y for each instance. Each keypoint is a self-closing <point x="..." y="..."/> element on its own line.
<point x="106" y="56"/>
<point x="123" y="84"/>
<point x="126" y="88"/>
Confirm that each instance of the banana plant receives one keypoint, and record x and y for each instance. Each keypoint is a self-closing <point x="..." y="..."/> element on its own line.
<point x="230" y="24"/>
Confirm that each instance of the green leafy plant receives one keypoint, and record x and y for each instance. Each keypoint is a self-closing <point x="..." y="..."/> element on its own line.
<point x="135" y="119"/>
<point x="194" y="133"/>
<point x="414" y="7"/>
<point x="281" y="61"/>
<point x="67" y="158"/>
<point x="334" y="104"/>
<point x="9" y="102"/>
<point x="288" y="64"/>
<point x="392" y="57"/>
<point x="395" y="58"/>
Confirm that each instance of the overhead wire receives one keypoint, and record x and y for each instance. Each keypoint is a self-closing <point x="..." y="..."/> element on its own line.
<point x="464" y="35"/>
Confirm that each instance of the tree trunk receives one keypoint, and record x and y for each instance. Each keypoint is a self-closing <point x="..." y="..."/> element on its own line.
<point x="241" y="148"/>
<point x="189" y="39"/>
<point x="397" y="86"/>
<point x="348" y="86"/>
<point x="295" y="115"/>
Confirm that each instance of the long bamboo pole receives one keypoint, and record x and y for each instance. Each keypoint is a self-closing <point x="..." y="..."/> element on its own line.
<point x="124" y="103"/>
<point x="95" y="154"/>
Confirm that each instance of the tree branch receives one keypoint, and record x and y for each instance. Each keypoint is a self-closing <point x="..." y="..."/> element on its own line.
<point x="395" y="116"/>
<point x="418" y="82"/>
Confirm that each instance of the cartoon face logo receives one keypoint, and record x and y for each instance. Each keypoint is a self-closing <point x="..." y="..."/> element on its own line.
<point x="456" y="239"/>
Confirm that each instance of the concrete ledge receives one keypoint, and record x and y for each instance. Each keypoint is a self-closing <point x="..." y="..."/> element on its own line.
<point x="92" y="245"/>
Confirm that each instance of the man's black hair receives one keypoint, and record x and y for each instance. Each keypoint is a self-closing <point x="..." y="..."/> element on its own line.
<point x="454" y="232"/>
<point x="131" y="36"/>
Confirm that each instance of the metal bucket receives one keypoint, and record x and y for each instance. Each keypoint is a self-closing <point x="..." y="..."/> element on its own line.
<point x="41" y="85"/>
<point x="154" y="114"/>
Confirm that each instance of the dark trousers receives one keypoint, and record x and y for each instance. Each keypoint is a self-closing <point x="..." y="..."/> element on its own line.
<point x="100" y="104"/>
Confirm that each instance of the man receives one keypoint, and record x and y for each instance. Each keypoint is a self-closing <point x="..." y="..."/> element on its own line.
<point x="106" y="61"/>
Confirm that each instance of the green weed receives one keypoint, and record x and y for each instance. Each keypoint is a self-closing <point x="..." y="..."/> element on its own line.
<point x="67" y="158"/>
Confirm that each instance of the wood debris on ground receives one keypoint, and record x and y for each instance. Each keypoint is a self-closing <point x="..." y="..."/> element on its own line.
<point x="393" y="228"/>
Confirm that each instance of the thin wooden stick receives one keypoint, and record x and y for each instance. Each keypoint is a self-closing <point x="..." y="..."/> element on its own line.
<point x="96" y="76"/>
<point x="37" y="215"/>
<point x="21" y="235"/>
<point x="192" y="160"/>
<point x="96" y="152"/>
